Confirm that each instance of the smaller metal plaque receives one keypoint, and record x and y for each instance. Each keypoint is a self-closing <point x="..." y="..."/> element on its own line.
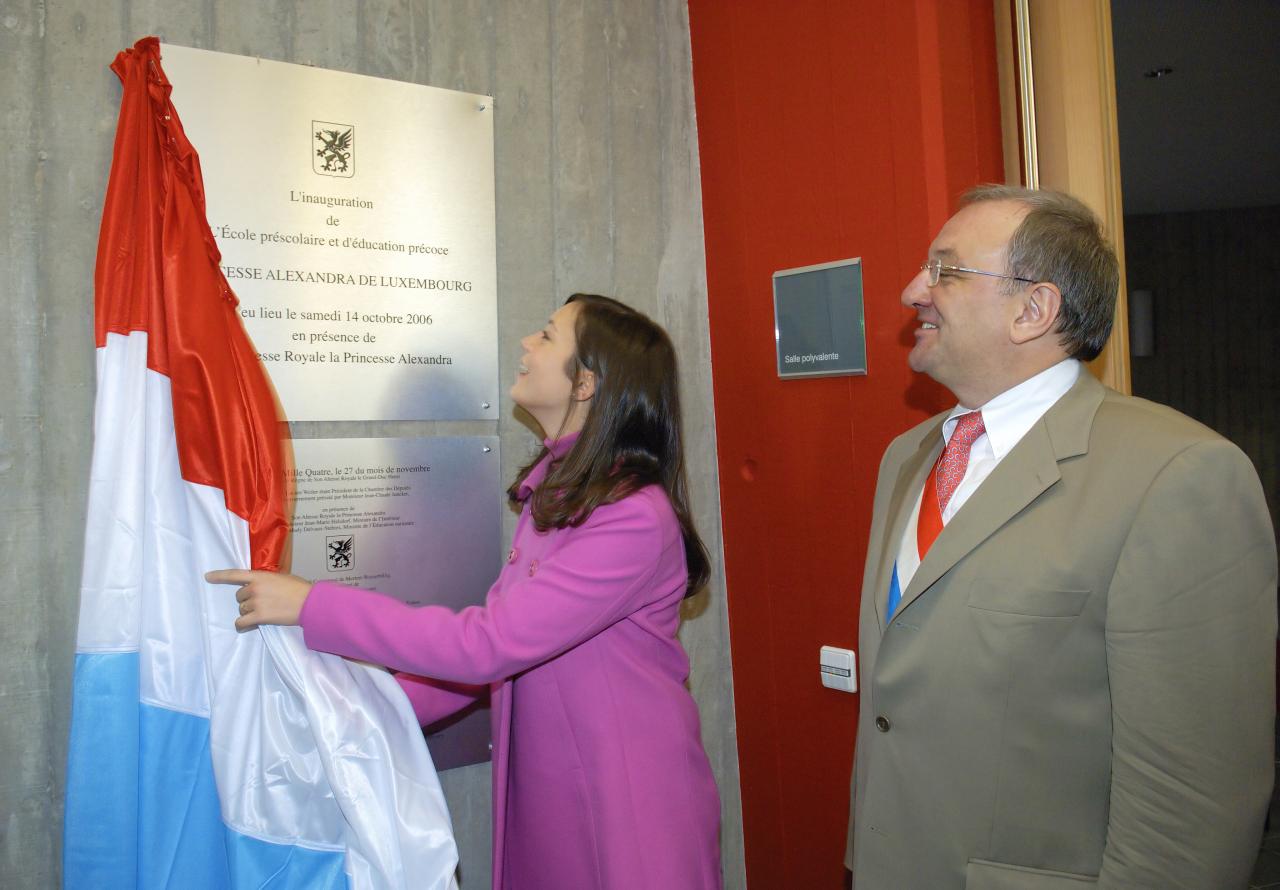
<point x="818" y="321"/>
<point x="419" y="519"/>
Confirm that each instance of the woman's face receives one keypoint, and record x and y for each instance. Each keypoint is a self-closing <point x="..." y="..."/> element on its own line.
<point x="542" y="386"/>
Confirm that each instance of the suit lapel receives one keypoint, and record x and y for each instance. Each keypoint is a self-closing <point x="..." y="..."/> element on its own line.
<point x="910" y="481"/>
<point x="1024" y="474"/>
<point x="1020" y="478"/>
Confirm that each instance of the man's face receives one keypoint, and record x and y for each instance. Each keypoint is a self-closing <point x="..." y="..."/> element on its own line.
<point x="965" y="320"/>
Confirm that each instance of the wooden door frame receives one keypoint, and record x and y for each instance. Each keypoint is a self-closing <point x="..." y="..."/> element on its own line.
<point x="1055" y="58"/>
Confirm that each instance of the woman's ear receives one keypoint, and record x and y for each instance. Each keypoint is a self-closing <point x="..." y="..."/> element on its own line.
<point x="585" y="388"/>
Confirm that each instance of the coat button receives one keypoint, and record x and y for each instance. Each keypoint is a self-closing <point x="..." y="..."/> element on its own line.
<point x="533" y="567"/>
<point x="882" y="723"/>
<point x="512" y="554"/>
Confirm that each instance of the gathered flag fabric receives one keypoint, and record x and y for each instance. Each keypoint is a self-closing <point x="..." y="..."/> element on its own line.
<point x="201" y="757"/>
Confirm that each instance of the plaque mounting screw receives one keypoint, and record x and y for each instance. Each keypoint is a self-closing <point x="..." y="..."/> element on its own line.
<point x="486" y="449"/>
<point x="484" y="405"/>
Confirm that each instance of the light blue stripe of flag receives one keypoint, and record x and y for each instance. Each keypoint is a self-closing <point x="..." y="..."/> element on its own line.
<point x="895" y="594"/>
<point x="151" y="816"/>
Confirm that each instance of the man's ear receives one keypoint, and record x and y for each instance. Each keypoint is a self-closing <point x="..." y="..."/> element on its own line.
<point x="1040" y="306"/>
<point x="585" y="388"/>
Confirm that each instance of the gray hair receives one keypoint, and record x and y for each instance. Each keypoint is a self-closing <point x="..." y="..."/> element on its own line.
<point x="1060" y="240"/>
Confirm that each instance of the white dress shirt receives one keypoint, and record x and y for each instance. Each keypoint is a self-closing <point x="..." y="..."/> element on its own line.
<point x="1007" y="418"/>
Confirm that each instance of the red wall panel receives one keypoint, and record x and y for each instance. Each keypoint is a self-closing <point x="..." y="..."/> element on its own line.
<point x="827" y="130"/>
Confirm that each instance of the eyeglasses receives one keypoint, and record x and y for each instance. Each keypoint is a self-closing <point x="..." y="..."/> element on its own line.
<point x="935" y="268"/>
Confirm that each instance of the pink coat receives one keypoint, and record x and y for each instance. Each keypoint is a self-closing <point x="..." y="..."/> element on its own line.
<point x="599" y="776"/>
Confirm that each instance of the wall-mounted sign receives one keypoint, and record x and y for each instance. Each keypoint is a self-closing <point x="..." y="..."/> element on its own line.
<point x="355" y="217"/>
<point x="418" y="519"/>
<point x="818" y="321"/>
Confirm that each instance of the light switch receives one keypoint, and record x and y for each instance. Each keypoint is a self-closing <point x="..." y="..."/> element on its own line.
<point x="839" y="669"/>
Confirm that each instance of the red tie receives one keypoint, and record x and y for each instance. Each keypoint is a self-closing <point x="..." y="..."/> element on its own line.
<point x="946" y="477"/>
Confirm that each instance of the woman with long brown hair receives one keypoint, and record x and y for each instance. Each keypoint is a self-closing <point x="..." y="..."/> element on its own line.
<point x="600" y="779"/>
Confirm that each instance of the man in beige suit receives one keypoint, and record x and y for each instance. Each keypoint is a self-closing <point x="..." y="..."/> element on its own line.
<point x="1068" y="618"/>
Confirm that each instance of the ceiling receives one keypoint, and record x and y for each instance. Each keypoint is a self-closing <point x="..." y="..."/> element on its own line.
<point x="1206" y="135"/>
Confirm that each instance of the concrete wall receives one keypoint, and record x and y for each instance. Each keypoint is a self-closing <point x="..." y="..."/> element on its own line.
<point x="598" y="190"/>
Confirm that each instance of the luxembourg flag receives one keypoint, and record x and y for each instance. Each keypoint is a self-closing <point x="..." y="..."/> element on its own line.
<point x="200" y="757"/>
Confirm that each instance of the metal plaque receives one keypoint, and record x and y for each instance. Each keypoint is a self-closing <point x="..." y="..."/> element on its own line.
<point x="419" y="519"/>
<point x="818" y="322"/>
<point x="355" y="217"/>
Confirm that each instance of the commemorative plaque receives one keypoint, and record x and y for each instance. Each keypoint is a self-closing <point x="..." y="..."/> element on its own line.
<point x="355" y="217"/>
<point x="419" y="519"/>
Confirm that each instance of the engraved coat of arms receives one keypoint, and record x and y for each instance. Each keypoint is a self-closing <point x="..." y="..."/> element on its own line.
<point x="333" y="148"/>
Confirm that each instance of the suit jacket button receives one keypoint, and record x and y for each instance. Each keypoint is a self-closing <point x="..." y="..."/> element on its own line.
<point x="882" y="723"/>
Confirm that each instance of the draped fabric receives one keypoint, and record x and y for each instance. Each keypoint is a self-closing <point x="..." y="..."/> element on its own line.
<point x="201" y="757"/>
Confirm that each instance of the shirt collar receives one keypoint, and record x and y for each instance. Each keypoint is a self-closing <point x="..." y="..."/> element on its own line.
<point x="556" y="449"/>
<point x="1009" y="416"/>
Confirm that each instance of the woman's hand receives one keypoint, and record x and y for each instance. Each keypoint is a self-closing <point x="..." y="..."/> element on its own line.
<point x="265" y="597"/>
